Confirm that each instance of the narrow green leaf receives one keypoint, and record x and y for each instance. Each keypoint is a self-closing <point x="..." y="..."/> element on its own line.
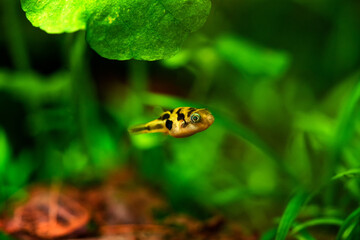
<point x="346" y="122"/>
<point x="291" y="212"/>
<point x="4" y="151"/>
<point x="349" y="174"/>
<point x="123" y="29"/>
<point x="349" y="222"/>
<point x="316" y="222"/>
<point x="354" y="233"/>
<point x="269" y="235"/>
<point x="250" y="59"/>
<point x="304" y="235"/>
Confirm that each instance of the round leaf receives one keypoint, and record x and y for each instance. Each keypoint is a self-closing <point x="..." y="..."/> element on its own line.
<point x="123" y="29"/>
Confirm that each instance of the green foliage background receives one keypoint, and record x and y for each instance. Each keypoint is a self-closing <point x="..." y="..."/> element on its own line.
<point x="281" y="77"/>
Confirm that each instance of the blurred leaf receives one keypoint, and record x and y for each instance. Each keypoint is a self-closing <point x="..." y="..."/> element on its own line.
<point x="24" y="165"/>
<point x="352" y="173"/>
<point x="316" y="222"/>
<point x="228" y="195"/>
<point x="5" y="237"/>
<point x="341" y="53"/>
<point x="5" y="151"/>
<point x="199" y="56"/>
<point x="105" y="149"/>
<point x="33" y="88"/>
<point x="207" y="59"/>
<point x="347" y="118"/>
<point x="252" y="60"/>
<point x="304" y="235"/>
<point x="348" y="225"/>
<point x="236" y="128"/>
<point x="194" y="162"/>
<point x="353" y="187"/>
<point x="298" y="159"/>
<point x="346" y="126"/>
<point x="269" y="235"/>
<point x="168" y="101"/>
<point x="355" y="232"/>
<point x="291" y="212"/>
<point x="117" y="29"/>
<point x="146" y="141"/>
<point x="320" y="127"/>
<point x="179" y="60"/>
<point x="74" y="159"/>
<point x="262" y="179"/>
<point x="15" y="178"/>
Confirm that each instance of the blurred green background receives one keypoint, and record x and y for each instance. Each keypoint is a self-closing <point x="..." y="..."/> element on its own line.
<point x="281" y="78"/>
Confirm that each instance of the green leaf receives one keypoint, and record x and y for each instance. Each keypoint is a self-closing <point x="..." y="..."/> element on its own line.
<point x="250" y="59"/>
<point x="315" y="222"/>
<point x="3" y="236"/>
<point x="347" y="120"/>
<point x="4" y="151"/>
<point x="352" y="173"/>
<point x="291" y="212"/>
<point x="269" y="235"/>
<point x="56" y="16"/>
<point x="348" y="224"/>
<point x="304" y="235"/>
<point x="123" y="29"/>
<point x="32" y="88"/>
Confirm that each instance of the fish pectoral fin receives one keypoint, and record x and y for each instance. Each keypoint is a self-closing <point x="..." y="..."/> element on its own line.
<point x="184" y="124"/>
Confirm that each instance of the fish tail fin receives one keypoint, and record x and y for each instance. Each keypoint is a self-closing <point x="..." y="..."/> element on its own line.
<point x="153" y="126"/>
<point x="139" y="129"/>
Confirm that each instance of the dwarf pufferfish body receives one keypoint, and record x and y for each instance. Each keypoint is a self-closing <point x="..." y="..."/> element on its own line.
<point x="179" y="122"/>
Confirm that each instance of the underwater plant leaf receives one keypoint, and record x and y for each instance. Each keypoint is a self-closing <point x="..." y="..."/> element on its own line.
<point x="304" y="235"/>
<point x="123" y="29"/>
<point x="250" y="59"/>
<point x="57" y="16"/>
<point x="4" y="151"/>
<point x="349" y="222"/>
<point x="347" y="119"/>
<point x="291" y="211"/>
<point x="352" y="173"/>
<point x="269" y="235"/>
<point x="3" y="236"/>
<point x="316" y="222"/>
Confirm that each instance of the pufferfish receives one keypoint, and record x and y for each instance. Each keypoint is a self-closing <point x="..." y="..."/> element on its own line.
<point x="180" y="122"/>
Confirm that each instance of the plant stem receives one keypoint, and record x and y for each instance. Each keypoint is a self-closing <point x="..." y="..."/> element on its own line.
<point x="138" y="76"/>
<point x="14" y="35"/>
<point x="138" y="81"/>
<point x="82" y="92"/>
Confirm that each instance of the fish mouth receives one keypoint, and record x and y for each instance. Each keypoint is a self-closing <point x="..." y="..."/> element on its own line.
<point x="211" y="118"/>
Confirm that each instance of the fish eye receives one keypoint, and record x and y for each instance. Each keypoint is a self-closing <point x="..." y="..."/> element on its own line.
<point x="195" y="117"/>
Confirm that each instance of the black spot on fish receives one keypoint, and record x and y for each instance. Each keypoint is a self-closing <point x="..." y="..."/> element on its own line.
<point x="165" y="116"/>
<point x="157" y="126"/>
<point x="171" y="111"/>
<point x="191" y="110"/>
<point x="181" y="116"/>
<point x="169" y="124"/>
